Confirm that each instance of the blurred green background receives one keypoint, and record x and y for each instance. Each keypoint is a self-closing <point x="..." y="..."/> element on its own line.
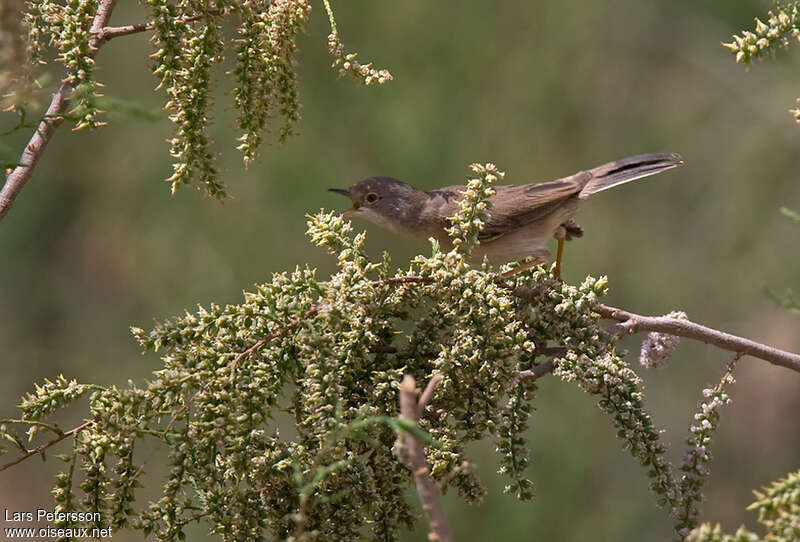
<point x="543" y="89"/>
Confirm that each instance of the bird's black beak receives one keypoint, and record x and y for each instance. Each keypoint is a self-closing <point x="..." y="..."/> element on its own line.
<point x="345" y="192"/>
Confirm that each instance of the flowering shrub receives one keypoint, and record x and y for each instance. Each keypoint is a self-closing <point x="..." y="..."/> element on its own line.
<point x="331" y="355"/>
<point x="189" y="40"/>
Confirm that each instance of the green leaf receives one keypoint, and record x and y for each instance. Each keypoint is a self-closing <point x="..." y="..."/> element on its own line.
<point x="786" y="300"/>
<point x="794" y="215"/>
<point x="406" y="426"/>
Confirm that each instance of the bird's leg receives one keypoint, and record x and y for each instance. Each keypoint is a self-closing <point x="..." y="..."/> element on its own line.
<point x="560" y="235"/>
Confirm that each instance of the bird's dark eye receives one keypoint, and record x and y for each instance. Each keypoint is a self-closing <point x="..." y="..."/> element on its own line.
<point x="372" y="197"/>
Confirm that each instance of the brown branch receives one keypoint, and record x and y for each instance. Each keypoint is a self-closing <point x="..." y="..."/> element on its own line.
<point x="197" y="517"/>
<point x="43" y="447"/>
<point x="274" y="335"/>
<point x="53" y="118"/>
<point x="406" y="279"/>
<point x="538" y="371"/>
<point x="301" y="519"/>
<point x="110" y="32"/>
<point x="544" y="368"/>
<point x="427" y="395"/>
<point x="636" y="323"/>
<point x="411" y="409"/>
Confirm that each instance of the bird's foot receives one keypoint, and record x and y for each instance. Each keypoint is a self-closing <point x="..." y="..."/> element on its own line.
<point x="559" y="235"/>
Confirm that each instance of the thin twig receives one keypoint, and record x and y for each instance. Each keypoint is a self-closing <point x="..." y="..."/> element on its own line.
<point x="52" y="119"/>
<point x="108" y="33"/>
<point x="427" y="395"/>
<point x="538" y="371"/>
<point x="411" y="409"/>
<point x="198" y="516"/>
<point x="636" y="323"/>
<point x="35" y="423"/>
<point x="43" y="447"/>
<point x="274" y="335"/>
<point x="407" y="279"/>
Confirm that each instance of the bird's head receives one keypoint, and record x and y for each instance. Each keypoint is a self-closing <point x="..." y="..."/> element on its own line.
<point x="383" y="201"/>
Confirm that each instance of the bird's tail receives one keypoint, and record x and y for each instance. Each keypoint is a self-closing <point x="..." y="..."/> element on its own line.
<point x="628" y="169"/>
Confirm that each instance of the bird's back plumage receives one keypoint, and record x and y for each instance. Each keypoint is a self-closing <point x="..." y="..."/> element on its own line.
<point x="516" y="206"/>
<point x="517" y="212"/>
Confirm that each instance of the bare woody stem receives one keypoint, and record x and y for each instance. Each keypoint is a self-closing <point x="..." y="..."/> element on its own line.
<point x="411" y="409"/>
<point x="52" y="119"/>
<point x="538" y="371"/>
<point x="99" y="33"/>
<point x="636" y="323"/>
<point x="629" y="323"/>
<point x="274" y="335"/>
<point x="110" y="32"/>
<point x="45" y="446"/>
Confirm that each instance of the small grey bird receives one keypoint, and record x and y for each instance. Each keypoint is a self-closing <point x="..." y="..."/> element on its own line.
<point x="521" y="220"/>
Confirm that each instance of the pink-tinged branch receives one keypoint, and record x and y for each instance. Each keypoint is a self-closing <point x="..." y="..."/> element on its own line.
<point x="636" y="323"/>
<point x="411" y="410"/>
<point x="110" y="32"/>
<point x="538" y="371"/>
<point x="52" y="119"/>
<point x="43" y="447"/>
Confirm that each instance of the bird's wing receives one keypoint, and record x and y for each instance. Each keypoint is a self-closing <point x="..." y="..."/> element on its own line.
<point x="516" y="206"/>
<point x="512" y="206"/>
<point x="442" y="203"/>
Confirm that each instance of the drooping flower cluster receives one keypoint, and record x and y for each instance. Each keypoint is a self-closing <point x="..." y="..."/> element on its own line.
<point x="347" y="63"/>
<point x="781" y="28"/>
<point x="189" y="41"/>
<point x="265" y="68"/>
<point x="696" y="464"/>
<point x="620" y="392"/>
<point x="657" y="348"/>
<point x="183" y="62"/>
<point x="65" y="27"/>
<point x="768" y="37"/>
